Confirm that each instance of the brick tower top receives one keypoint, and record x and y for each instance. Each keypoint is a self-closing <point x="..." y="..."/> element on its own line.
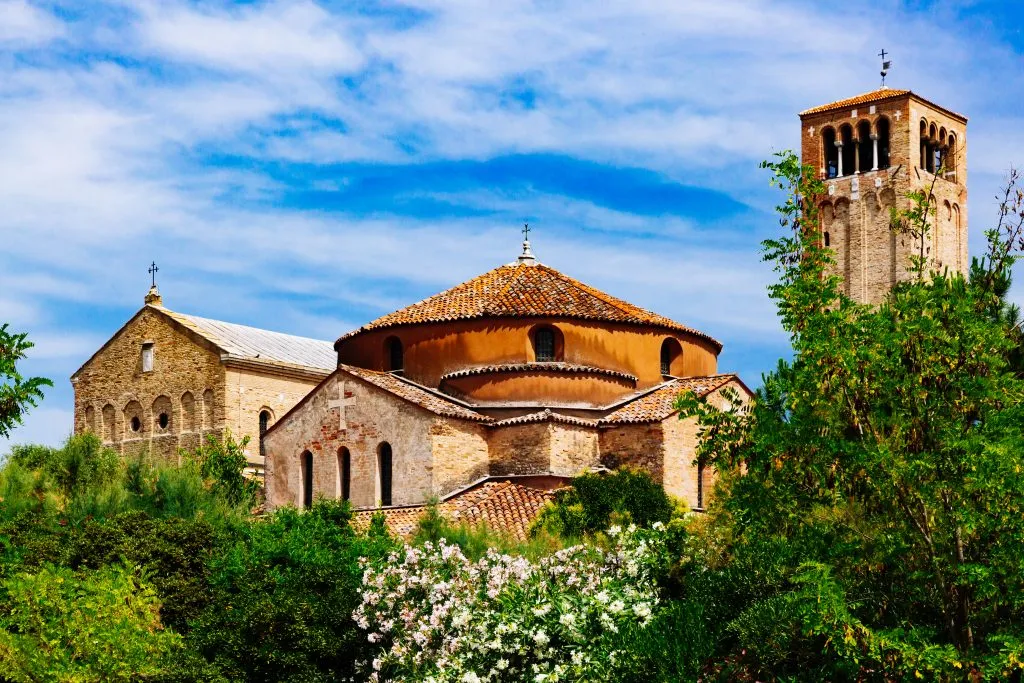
<point x="871" y="150"/>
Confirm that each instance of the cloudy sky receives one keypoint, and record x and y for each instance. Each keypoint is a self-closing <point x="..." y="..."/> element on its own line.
<point x="308" y="166"/>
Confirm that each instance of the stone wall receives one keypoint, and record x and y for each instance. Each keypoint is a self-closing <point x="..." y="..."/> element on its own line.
<point x="541" y="447"/>
<point x="113" y="394"/>
<point x="431" y="455"/>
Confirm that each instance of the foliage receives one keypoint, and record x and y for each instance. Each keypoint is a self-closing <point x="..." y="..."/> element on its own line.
<point x="438" y="616"/>
<point x="475" y="540"/>
<point x="17" y="393"/>
<point x="58" y="625"/>
<point x="588" y="505"/>
<point x="222" y="461"/>
<point x="885" y="459"/>
<point x="283" y="596"/>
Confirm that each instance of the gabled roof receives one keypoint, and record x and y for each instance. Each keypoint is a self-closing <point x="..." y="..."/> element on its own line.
<point x="247" y="344"/>
<point x="505" y="506"/>
<point x="873" y="97"/>
<point x="659" y="404"/>
<point x="406" y="390"/>
<point x="252" y="343"/>
<point x="524" y="290"/>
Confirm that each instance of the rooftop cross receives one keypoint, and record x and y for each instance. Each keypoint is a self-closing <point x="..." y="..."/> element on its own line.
<point x="152" y="271"/>
<point x="526" y="232"/>
<point x="885" y="65"/>
<point x="527" y="256"/>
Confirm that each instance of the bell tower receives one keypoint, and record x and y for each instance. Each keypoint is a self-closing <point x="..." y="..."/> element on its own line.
<point x="871" y="150"/>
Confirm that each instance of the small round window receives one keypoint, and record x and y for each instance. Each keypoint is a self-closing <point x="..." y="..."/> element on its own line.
<point x="136" y="424"/>
<point x="163" y="420"/>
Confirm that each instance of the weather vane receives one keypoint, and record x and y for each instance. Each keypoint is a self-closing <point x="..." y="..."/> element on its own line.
<point x="886" y="65"/>
<point x="152" y="271"/>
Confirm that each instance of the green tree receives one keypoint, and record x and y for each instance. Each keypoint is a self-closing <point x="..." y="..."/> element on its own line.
<point x="17" y="393"/>
<point x="887" y="455"/>
<point x="57" y="625"/>
<point x="222" y="461"/>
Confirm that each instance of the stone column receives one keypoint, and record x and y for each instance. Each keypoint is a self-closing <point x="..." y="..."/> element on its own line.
<point x="856" y="157"/>
<point x="839" y="165"/>
<point x="874" y="153"/>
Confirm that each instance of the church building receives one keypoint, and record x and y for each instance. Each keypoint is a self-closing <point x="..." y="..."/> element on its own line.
<point x="520" y="372"/>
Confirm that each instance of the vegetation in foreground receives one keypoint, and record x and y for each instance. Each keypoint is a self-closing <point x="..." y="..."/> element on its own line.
<point x="867" y="526"/>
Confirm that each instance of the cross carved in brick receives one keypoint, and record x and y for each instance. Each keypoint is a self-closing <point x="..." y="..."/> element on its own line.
<point x="811" y="131"/>
<point x="897" y="114"/>
<point x="347" y="399"/>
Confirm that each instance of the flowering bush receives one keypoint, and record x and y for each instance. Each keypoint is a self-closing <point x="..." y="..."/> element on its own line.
<point x="439" y="617"/>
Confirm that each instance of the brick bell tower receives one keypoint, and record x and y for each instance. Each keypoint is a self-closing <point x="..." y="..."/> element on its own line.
<point x="871" y="150"/>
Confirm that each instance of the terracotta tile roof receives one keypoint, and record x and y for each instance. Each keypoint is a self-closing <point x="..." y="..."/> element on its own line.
<point x="567" y="368"/>
<point x="522" y="290"/>
<point x="504" y="506"/>
<point x="414" y="393"/>
<point x="545" y="415"/>
<point x="873" y="97"/>
<point x="659" y="404"/>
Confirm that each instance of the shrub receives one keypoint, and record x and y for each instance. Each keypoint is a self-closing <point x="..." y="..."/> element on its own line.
<point x="589" y="504"/>
<point x="104" y="625"/>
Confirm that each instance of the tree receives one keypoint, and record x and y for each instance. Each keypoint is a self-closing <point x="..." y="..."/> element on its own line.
<point x="17" y="393"/>
<point x="888" y="454"/>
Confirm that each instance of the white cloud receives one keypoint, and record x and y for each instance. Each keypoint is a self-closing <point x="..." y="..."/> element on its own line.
<point x="43" y="425"/>
<point x="23" y="25"/>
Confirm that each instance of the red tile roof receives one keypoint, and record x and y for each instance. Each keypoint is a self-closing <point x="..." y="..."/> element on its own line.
<point x="414" y="393"/>
<point x="659" y="404"/>
<point x="545" y="415"/>
<point x="504" y="506"/>
<point x="523" y="290"/>
<point x="565" y="368"/>
<point x="874" y="97"/>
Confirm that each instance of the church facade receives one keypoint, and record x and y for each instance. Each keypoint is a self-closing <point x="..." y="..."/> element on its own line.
<point x="522" y="371"/>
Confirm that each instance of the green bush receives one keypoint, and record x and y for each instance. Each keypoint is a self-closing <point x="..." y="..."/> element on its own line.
<point x="283" y="597"/>
<point x="588" y="506"/>
<point x="104" y="625"/>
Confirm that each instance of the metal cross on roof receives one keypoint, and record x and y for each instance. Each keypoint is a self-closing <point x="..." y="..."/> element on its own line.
<point x="526" y="231"/>
<point x="152" y="271"/>
<point x="885" y="65"/>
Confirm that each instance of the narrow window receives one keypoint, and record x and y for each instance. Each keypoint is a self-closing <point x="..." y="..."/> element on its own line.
<point x="384" y="473"/>
<point x="306" y="467"/>
<point x="395" y="355"/>
<point x="848" y="153"/>
<point x="136" y="424"/>
<point x="264" y="424"/>
<point x="344" y="474"/>
<point x="865" y="147"/>
<point x="700" y="484"/>
<point x="147" y="357"/>
<point x="163" y="420"/>
<point x="828" y="241"/>
<point x="544" y="345"/>
<point x="882" y="128"/>
<point x="828" y="140"/>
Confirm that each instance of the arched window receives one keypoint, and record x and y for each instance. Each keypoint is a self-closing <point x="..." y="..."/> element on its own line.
<point x="108" y="422"/>
<point x="828" y="141"/>
<point x="394" y="353"/>
<point x="882" y="131"/>
<point x="924" y="144"/>
<point x="133" y="418"/>
<point x="671" y="352"/>
<point x="700" y="484"/>
<point x="544" y="345"/>
<point x="264" y="426"/>
<point x="344" y="474"/>
<point x="384" y="473"/>
<point x="90" y="419"/>
<point x="161" y="413"/>
<point x="951" y="153"/>
<point x="848" y="153"/>
<point x="188" y="412"/>
<point x="208" y="409"/>
<point x="306" y="477"/>
<point x="828" y="240"/>
<point x="865" y="147"/>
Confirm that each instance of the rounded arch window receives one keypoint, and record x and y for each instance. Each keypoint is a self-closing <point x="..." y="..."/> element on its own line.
<point x="394" y="354"/>
<point x="306" y="477"/>
<point x="828" y="140"/>
<point x="163" y="420"/>
<point x="135" y="424"/>
<point x="265" y="418"/>
<point x="882" y="131"/>
<point x="384" y="466"/>
<point x="671" y="357"/>
<point x="547" y="344"/>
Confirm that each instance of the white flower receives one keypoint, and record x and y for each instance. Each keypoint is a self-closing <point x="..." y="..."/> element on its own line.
<point x="502" y="664"/>
<point x="470" y="677"/>
<point x="541" y="638"/>
<point x="614" y="530"/>
<point x="616" y="607"/>
<point x="567" y="619"/>
<point x="542" y="610"/>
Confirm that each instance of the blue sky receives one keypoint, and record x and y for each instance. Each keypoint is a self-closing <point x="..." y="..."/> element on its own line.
<point x="308" y="166"/>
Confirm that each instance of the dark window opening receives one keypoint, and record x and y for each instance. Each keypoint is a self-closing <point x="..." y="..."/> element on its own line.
<point x="828" y="138"/>
<point x="670" y="351"/>
<point x="384" y="472"/>
<point x="264" y="424"/>
<point x="865" y="147"/>
<point x="882" y="129"/>
<point x="395" y="353"/>
<point x="345" y="473"/>
<point x="700" y="485"/>
<point x="828" y="242"/>
<point x="848" y="160"/>
<point x="306" y="465"/>
<point x="544" y="345"/>
<point x="136" y="424"/>
<point x="163" y="420"/>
